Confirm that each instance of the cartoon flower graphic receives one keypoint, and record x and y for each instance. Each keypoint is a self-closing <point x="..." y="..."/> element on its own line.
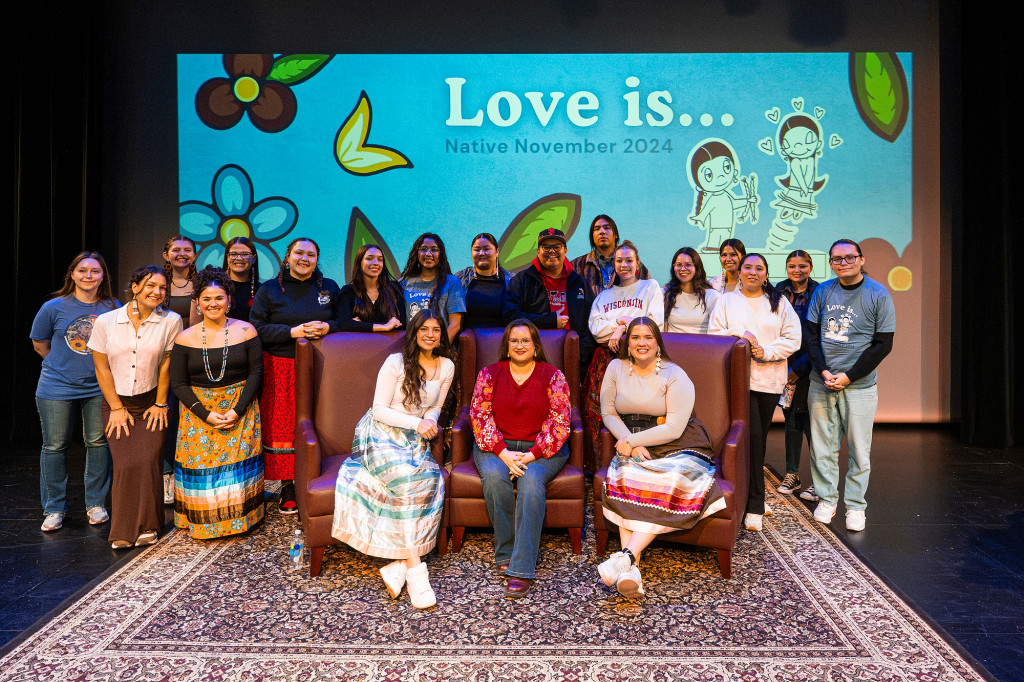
<point x="259" y="85"/>
<point x="233" y="214"/>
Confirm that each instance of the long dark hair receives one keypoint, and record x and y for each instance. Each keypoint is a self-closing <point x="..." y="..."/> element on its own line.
<point x="316" y="271"/>
<point x="141" y="275"/>
<point x="650" y="324"/>
<point x="414" y="269"/>
<point x="611" y="223"/>
<point x="539" y="355"/>
<point x="771" y="292"/>
<point x="104" y="293"/>
<point x="413" y="374"/>
<point x="167" y="264"/>
<point x="700" y="280"/>
<point x="387" y="287"/>
<point x="254" y="270"/>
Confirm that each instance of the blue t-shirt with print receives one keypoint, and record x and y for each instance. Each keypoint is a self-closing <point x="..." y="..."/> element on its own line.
<point x="452" y="298"/>
<point x="68" y="372"/>
<point x="849" y="319"/>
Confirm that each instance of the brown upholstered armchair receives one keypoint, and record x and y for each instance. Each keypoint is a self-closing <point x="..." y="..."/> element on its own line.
<point x="565" y="498"/>
<point x="335" y="378"/>
<point x="719" y="367"/>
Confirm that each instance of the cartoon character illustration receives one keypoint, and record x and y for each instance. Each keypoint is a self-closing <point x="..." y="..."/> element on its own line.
<point x="800" y="145"/>
<point x="835" y="329"/>
<point x="714" y="169"/>
<point x="844" y="324"/>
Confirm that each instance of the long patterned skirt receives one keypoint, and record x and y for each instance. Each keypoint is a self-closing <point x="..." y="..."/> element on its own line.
<point x="218" y="474"/>
<point x="389" y="496"/>
<point x="661" y="495"/>
<point x="603" y="357"/>
<point x="278" y="405"/>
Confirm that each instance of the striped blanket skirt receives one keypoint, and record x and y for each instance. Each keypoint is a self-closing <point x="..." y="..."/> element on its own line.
<point x="389" y="495"/>
<point x="661" y="495"/>
<point x="218" y="474"/>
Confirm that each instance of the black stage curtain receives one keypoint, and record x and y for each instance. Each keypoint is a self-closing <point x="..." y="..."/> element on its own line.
<point x="52" y="142"/>
<point x="986" y="235"/>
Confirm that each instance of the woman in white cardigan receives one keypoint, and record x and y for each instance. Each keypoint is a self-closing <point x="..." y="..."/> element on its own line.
<point x="614" y="308"/>
<point x="756" y="311"/>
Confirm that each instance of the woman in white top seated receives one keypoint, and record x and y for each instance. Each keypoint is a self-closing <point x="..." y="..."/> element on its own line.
<point x="689" y="297"/>
<point x="759" y="313"/>
<point x="663" y="476"/>
<point x="389" y="495"/>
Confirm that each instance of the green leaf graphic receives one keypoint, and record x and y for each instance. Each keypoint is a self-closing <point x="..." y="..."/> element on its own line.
<point x="518" y="244"/>
<point x="361" y="231"/>
<point x="879" y="88"/>
<point x="351" y="150"/>
<point x="292" y="69"/>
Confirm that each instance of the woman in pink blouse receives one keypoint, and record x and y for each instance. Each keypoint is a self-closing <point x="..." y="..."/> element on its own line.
<point x="520" y="415"/>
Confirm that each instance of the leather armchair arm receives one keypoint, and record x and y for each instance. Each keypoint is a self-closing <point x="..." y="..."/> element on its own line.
<point x="607" y="445"/>
<point x="575" y="438"/>
<point x="307" y="454"/>
<point x="735" y="452"/>
<point x="462" y="436"/>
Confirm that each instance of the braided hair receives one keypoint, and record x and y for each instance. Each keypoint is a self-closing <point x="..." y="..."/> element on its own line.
<point x="316" y="271"/>
<point x="414" y="269"/>
<point x="770" y="291"/>
<point x="168" y="270"/>
<point x="700" y="280"/>
<point x="254" y="269"/>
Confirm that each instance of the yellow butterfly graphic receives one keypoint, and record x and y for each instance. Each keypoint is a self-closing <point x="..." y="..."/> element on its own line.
<point x="351" y="150"/>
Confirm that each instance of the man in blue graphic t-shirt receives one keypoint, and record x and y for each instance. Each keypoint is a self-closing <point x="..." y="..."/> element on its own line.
<point x="849" y="329"/>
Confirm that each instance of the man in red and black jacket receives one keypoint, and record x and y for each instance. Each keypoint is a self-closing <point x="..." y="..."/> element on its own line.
<point x="552" y="295"/>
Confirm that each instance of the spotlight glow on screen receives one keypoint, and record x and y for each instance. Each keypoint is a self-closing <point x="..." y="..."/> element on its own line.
<point x="782" y="151"/>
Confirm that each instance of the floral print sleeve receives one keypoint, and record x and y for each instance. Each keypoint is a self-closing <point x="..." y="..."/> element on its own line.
<point x="481" y="413"/>
<point x="555" y="429"/>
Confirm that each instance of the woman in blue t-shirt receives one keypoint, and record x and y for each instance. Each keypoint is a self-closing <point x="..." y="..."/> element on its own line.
<point x="60" y="332"/>
<point x="428" y="282"/>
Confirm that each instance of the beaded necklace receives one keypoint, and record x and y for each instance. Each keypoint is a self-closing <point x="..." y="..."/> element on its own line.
<point x="223" y="357"/>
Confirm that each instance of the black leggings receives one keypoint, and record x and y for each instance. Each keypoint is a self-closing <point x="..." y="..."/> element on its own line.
<point x="762" y="407"/>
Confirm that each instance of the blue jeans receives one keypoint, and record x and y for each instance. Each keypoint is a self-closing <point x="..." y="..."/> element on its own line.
<point x="517" y="517"/>
<point x="850" y="411"/>
<point x="58" y="419"/>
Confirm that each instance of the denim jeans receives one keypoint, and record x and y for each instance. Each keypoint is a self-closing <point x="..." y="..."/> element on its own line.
<point x="798" y="427"/>
<point x="850" y="411"/>
<point x="58" y="419"/>
<point x="517" y="517"/>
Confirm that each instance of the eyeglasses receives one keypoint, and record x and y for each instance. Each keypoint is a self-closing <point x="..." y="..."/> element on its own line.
<point x="520" y="342"/>
<point x="239" y="256"/>
<point x="552" y="248"/>
<point x="431" y="252"/>
<point x="849" y="260"/>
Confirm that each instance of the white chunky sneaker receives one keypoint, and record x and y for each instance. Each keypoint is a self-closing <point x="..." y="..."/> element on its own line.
<point x="630" y="584"/>
<point x="97" y="515"/>
<point x="53" y="521"/>
<point x="394" y="577"/>
<point x="613" y="567"/>
<point x="824" y="512"/>
<point x="855" y="519"/>
<point x="418" y="582"/>
<point x="752" y="522"/>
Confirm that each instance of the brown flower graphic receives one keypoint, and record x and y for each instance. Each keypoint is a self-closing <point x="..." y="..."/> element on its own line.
<point x="253" y="86"/>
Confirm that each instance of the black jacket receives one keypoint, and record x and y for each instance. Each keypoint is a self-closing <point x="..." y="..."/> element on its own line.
<point x="526" y="296"/>
<point x="275" y="312"/>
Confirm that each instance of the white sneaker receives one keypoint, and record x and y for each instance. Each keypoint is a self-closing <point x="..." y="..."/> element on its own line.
<point x="97" y="515"/>
<point x="752" y="522"/>
<point x="613" y="567"/>
<point x="767" y="510"/>
<point x="168" y="488"/>
<point x="394" y="577"/>
<point x="855" y="519"/>
<point x="630" y="584"/>
<point x="53" y="521"/>
<point x="824" y="512"/>
<point x="420" y="593"/>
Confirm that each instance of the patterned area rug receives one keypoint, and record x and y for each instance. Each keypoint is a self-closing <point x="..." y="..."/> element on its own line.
<point x="800" y="606"/>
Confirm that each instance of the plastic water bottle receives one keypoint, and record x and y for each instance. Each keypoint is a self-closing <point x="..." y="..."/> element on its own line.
<point x="295" y="550"/>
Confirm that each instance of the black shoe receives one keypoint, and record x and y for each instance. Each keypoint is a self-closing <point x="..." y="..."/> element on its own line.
<point x="790" y="484"/>
<point x="287" y="504"/>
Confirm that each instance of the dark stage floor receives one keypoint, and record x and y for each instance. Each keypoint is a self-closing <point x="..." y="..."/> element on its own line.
<point x="944" y="527"/>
